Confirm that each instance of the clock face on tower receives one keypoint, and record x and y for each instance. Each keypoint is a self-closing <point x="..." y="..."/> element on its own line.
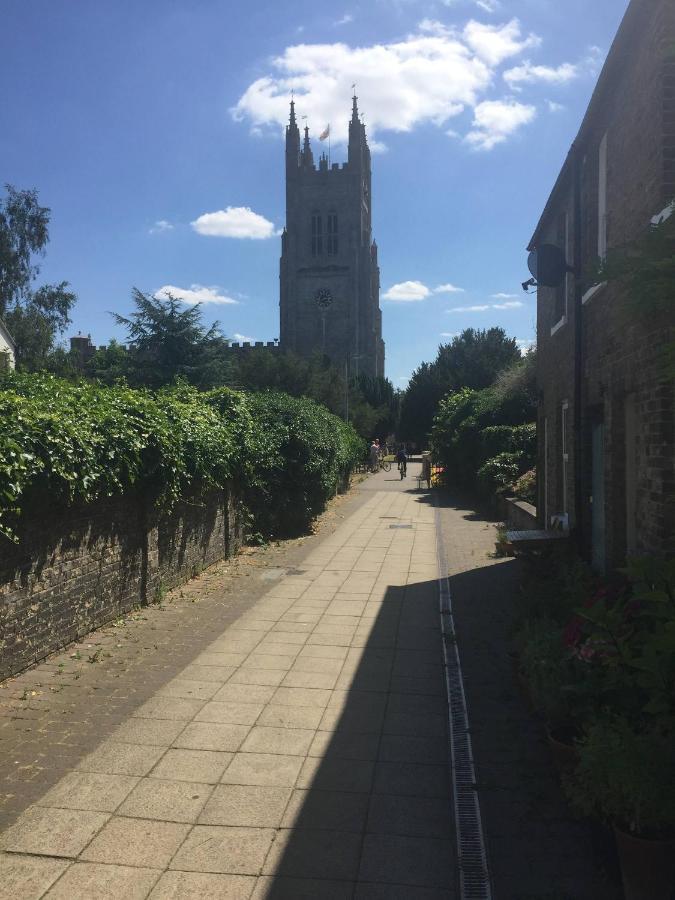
<point x="323" y="298"/>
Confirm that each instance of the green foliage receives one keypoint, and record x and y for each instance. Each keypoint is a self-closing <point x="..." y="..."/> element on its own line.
<point x="24" y="231"/>
<point x="626" y="777"/>
<point x="371" y="403"/>
<point x="601" y="657"/>
<point x="525" y="487"/>
<point x="76" y="442"/>
<point x="167" y="342"/>
<point x="485" y="439"/>
<point x="301" y="452"/>
<point x="34" y="317"/>
<point x="472" y="360"/>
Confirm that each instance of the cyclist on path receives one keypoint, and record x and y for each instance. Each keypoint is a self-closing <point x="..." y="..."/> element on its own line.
<point x="402" y="460"/>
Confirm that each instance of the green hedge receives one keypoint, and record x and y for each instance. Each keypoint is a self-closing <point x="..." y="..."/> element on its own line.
<point x="79" y="442"/>
<point x="301" y="453"/>
<point x="484" y="439"/>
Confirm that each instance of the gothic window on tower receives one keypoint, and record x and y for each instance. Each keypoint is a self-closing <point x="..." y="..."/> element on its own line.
<point x="317" y="235"/>
<point x="332" y="234"/>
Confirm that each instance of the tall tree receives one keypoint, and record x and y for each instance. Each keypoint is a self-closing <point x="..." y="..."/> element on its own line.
<point x="473" y="359"/>
<point x="167" y="341"/>
<point x="35" y="317"/>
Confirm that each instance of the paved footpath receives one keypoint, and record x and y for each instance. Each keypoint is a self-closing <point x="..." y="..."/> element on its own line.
<point x="301" y="752"/>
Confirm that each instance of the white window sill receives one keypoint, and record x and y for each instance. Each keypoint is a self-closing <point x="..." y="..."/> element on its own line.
<point x="592" y="291"/>
<point x="558" y="325"/>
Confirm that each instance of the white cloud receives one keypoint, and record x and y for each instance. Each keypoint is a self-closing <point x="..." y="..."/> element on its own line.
<point x="502" y="296"/>
<point x="448" y="289"/>
<point x="196" y="293"/>
<point x="481" y="308"/>
<point x="495" y="43"/>
<point x="528" y="74"/>
<point x="554" y="107"/>
<point x="488" y="5"/>
<point x="429" y="76"/>
<point x="160" y="226"/>
<point x="345" y="20"/>
<point x="407" y="291"/>
<point x="525" y="344"/>
<point x="450" y="334"/>
<point x="496" y="120"/>
<point x="234" y="222"/>
<point x="242" y="338"/>
<point x="509" y="304"/>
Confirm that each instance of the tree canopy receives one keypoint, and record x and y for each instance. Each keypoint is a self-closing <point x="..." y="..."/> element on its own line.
<point x="473" y="359"/>
<point x="34" y="316"/>
<point x="166" y="341"/>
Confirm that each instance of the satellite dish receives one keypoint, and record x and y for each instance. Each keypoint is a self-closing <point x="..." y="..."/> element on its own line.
<point x="548" y="265"/>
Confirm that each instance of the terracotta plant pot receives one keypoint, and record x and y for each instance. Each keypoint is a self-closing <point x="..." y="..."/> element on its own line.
<point x="562" y="744"/>
<point x="647" y="867"/>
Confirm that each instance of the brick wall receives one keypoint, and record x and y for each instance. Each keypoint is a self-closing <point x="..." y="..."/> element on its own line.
<point x="635" y="108"/>
<point x="76" y="569"/>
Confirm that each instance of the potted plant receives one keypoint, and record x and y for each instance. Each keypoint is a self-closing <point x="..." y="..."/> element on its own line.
<point x="626" y="776"/>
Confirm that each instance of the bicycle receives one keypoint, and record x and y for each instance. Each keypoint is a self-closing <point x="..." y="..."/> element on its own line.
<point x="385" y="464"/>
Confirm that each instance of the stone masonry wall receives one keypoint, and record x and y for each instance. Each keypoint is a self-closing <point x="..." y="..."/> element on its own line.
<point x="75" y="569"/>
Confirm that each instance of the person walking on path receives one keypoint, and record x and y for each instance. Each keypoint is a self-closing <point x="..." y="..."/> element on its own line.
<point x="402" y="460"/>
<point x="374" y="456"/>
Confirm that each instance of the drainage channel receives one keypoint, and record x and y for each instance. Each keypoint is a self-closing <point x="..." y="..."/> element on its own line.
<point x="474" y="875"/>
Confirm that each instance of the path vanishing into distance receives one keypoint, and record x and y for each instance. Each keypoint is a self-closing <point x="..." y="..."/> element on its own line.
<point x="279" y="728"/>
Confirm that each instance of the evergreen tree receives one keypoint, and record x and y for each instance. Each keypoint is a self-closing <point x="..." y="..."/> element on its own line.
<point x="168" y="342"/>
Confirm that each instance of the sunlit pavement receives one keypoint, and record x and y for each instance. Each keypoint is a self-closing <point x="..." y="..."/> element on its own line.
<point x="303" y="753"/>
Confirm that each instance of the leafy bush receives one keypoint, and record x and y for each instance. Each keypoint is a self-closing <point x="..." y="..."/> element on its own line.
<point x="485" y="439"/>
<point x="627" y="777"/>
<point x="525" y="487"/>
<point x="301" y="453"/>
<point x="76" y="442"/>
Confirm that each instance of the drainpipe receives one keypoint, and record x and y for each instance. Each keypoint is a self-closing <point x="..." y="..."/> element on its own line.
<point x="578" y="351"/>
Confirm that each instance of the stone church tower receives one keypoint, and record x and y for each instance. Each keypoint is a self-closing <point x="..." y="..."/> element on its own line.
<point x="330" y="280"/>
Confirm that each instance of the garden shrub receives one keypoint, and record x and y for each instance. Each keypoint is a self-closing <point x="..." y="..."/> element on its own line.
<point x="485" y="439"/>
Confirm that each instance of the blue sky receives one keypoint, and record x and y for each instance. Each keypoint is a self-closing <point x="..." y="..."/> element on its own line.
<point x="153" y="130"/>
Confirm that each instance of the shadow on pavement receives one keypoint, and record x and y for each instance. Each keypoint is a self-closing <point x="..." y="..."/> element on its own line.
<point x="537" y="849"/>
<point x="374" y="819"/>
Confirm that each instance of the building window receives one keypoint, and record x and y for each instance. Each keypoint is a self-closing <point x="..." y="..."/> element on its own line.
<point x="317" y="234"/>
<point x="332" y="234"/>
<point x="602" y="198"/>
<point x="560" y="298"/>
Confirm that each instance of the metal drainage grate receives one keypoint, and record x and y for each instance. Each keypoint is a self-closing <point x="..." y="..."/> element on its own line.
<point x="474" y="873"/>
<point x="400" y="526"/>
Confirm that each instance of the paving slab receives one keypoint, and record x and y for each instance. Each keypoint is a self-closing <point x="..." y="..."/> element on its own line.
<point x="298" y="751"/>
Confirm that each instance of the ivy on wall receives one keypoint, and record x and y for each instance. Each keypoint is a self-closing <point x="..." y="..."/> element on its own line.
<point x="77" y="442"/>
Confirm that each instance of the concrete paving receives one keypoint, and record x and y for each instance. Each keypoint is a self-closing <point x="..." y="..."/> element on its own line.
<point x="302" y="752"/>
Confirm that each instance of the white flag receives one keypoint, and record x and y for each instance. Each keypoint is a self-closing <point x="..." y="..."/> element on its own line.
<point x="325" y="133"/>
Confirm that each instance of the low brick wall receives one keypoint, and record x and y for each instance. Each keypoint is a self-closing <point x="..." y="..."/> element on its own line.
<point x="518" y="514"/>
<point x="75" y="569"/>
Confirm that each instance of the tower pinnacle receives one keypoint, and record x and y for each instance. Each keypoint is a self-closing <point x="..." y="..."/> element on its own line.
<point x="292" y="118"/>
<point x="307" y="157"/>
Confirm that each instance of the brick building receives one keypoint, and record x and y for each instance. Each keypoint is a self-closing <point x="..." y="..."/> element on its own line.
<point x="329" y="276"/>
<point x="606" y="418"/>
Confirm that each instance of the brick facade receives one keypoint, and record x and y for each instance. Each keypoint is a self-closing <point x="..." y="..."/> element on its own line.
<point x="76" y="569"/>
<point x="623" y="162"/>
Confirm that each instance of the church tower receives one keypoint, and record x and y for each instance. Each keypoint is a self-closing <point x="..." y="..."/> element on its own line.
<point x="329" y="276"/>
